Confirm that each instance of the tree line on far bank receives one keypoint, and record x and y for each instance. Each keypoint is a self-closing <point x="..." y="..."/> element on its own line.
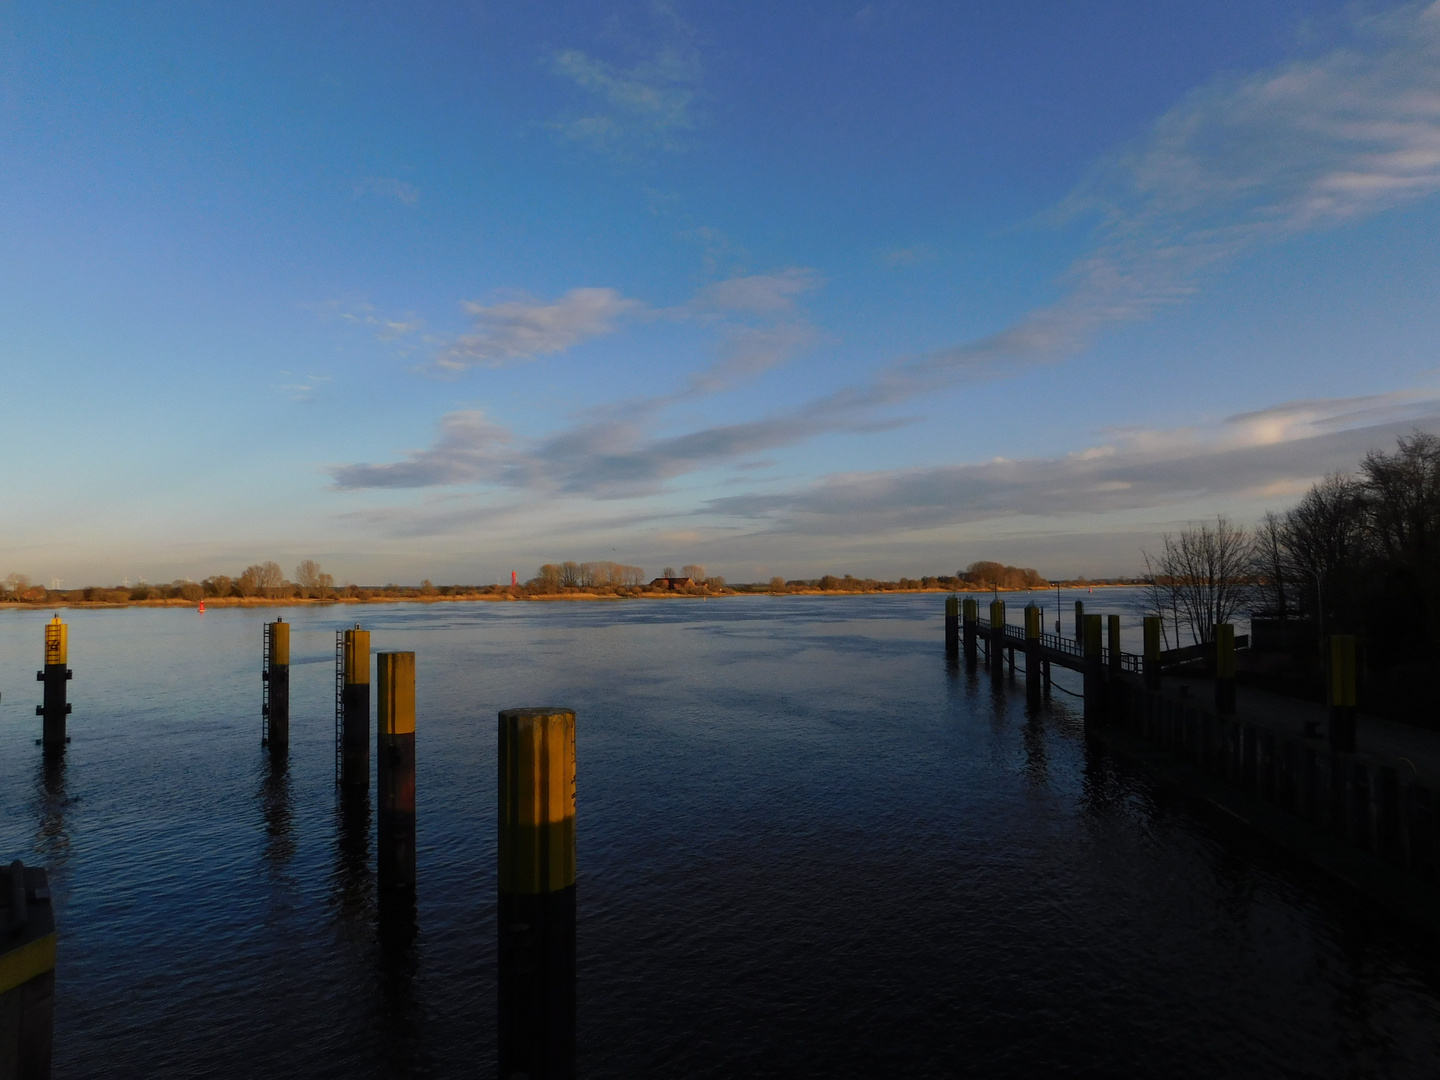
<point x="267" y="580"/>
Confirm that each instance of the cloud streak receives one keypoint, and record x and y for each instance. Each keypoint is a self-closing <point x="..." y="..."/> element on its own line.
<point x="1271" y="453"/>
<point x="518" y="330"/>
<point x="389" y="187"/>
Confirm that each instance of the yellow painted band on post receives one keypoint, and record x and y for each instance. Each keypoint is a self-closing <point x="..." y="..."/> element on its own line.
<point x="23" y="964"/>
<point x="1093" y="625"/>
<point x="972" y="609"/>
<point x="1342" y="670"/>
<point x="1152" y="638"/>
<point x="357" y="657"/>
<point x="997" y="612"/>
<point x="1032" y="622"/>
<point x="1224" y="651"/>
<point x="57" y="641"/>
<point x="952" y="606"/>
<point x="537" y="800"/>
<point x="280" y="642"/>
<point x="395" y="709"/>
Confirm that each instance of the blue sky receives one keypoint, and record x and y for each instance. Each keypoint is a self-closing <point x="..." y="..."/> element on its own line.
<point x="449" y="290"/>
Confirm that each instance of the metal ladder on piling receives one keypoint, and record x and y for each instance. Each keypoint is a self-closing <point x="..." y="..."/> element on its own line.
<point x="339" y="704"/>
<point x="265" y="686"/>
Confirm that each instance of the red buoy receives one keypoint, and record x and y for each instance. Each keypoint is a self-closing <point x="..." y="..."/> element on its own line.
<point x="202" y="606"/>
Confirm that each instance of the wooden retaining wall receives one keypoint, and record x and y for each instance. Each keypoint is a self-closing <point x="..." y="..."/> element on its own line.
<point x="1378" y="807"/>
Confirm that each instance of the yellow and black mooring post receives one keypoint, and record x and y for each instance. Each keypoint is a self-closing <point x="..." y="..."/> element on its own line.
<point x="355" y="710"/>
<point x="1032" y="653"/>
<point x="996" y="654"/>
<point x="971" y="621"/>
<point x="395" y="769"/>
<point x="1342" y="693"/>
<point x="55" y="676"/>
<point x="1112" y="643"/>
<point x="952" y="627"/>
<point x="536" y="914"/>
<point x="1152" y="652"/>
<point x="1224" y="668"/>
<point x="1080" y="620"/>
<point x="27" y="973"/>
<point x="276" y="677"/>
<point x="1092" y="640"/>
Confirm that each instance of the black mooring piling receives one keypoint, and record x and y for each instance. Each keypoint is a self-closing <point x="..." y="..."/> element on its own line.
<point x="353" y="736"/>
<point x="275" y="674"/>
<point x="395" y="770"/>
<point x="971" y="619"/>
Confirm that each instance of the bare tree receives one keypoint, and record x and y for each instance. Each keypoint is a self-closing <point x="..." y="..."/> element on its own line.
<point x="1204" y="573"/>
<point x="1404" y="500"/>
<point x="308" y="574"/>
<point x="1326" y="540"/>
<point x="1272" y="569"/>
<point x="694" y="572"/>
<point x="669" y="571"/>
<point x="248" y="581"/>
<point x="265" y="578"/>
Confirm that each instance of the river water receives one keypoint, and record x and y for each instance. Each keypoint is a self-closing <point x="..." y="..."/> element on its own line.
<point x="807" y="847"/>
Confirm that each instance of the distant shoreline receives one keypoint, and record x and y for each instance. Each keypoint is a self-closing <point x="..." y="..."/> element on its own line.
<point x="505" y="597"/>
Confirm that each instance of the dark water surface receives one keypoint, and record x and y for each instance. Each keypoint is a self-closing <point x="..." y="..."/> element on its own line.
<point x="807" y="848"/>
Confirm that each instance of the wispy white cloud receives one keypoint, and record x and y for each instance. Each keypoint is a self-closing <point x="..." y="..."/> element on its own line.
<point x="756" y="294"/>
<point x="517" y="330"/>
<point x="650" y="103"/>
<point x="389" y="187"/>
<point x="361" y="313"/>
<point x="913" y="255"/>
<point x="305" y="388"/>
<point x="755" y="315"/>
<point x="607" y="455"/>
<point x="469" y="450"/>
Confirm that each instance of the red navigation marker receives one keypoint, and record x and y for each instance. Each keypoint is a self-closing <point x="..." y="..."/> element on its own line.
<point x="202" y="607"/>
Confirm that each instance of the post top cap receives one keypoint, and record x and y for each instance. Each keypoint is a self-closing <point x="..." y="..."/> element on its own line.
<point x="531" y="713"/>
